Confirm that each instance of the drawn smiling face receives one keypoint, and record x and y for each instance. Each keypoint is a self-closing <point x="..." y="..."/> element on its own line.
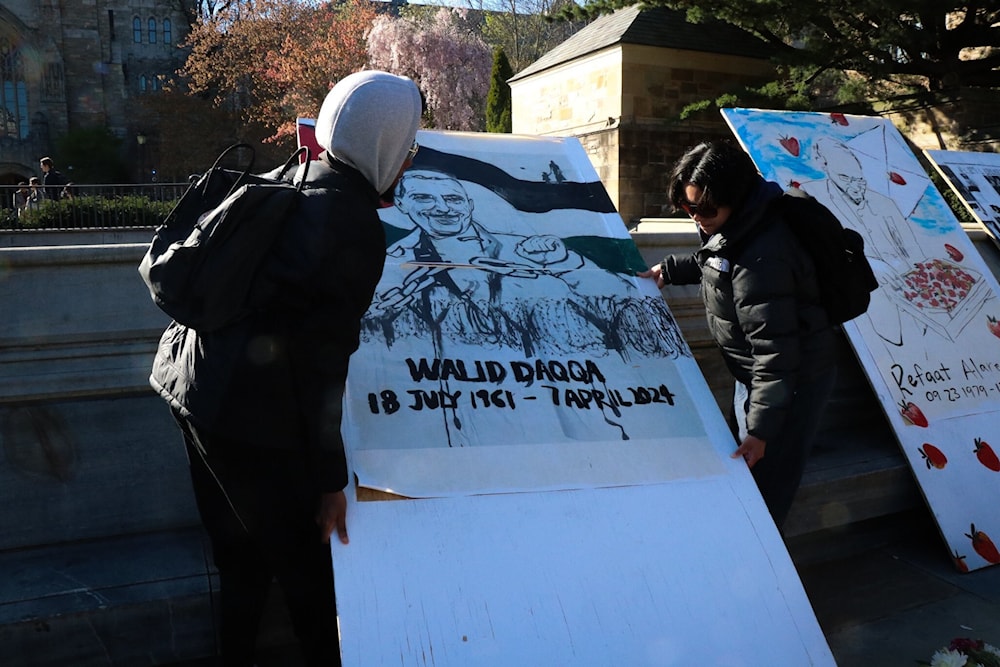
<point x="436" y="202"/>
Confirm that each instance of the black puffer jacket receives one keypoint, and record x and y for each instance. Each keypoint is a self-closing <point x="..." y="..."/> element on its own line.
<point x="762" y="304"/>
<point x="273" y="379"/>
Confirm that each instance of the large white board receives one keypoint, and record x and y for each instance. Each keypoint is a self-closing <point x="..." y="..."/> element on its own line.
<point x="510" y="346"/>
<point x="975" y="178"/>
<point x="662" y="574"/>
<point x="571" y="499"/>
<point x="929" y="343"/>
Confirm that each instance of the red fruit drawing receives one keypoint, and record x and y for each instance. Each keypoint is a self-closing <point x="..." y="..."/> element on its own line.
<point x="993" y="325"/>
<point x="794" y="184"/>
<point x="983" y="545"/>
<point x="954" y="252"/>
<point x="960" y="563"/>
<point x="913" y="414"/>
<point x="790" y="144"/>
<point x="933" y="456"/>
<point x="986" y="455"/>
<point x="838" y="118"/>
<point x="896" y="178"/>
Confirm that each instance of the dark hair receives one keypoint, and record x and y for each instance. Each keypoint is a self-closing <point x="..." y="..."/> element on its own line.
<point x="47" y="161"/>
<point x="427" y="174"/>
<point x="723" y="171"/>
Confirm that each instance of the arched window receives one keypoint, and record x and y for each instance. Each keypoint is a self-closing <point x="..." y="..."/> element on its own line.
<point x="168" y="36"/>
<point x="142" y="83"/>
<point x="13" y="92"/>
<point x="156" y="82"/>
<point x="152" y="31"/>
<point x="136" y="30"/>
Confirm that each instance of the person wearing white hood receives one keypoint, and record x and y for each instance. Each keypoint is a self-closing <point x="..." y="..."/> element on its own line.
<point x="259" y="402"/>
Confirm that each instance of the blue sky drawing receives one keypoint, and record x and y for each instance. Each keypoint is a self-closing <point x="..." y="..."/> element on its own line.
<point x="760" y="133"/>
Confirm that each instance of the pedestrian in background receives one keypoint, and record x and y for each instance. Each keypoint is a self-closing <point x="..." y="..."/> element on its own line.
<point x="20" y="199"/>
<point x="53" y="180"/>
<point x="35" y="195"/>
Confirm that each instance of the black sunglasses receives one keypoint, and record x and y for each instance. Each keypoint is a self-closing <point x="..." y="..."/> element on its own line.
<point x="706" y="211"/>
<point x="412" y="153"/>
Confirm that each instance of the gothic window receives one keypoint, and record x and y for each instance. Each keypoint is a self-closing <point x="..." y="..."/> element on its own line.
<point x="142" y="83"/>
<point x="168" y="36"/>
<point x="152" y="31"/>
<point x="13" y="92"/>
<point x="52" y="80"/>
<point x="136" y="30"/>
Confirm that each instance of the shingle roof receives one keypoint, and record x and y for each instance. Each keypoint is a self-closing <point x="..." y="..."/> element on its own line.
<point x="654" y="26"/>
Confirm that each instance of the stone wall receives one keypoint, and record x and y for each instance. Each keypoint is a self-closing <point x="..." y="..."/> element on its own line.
<point x="102" y="554"/>
<point x="968" y="122"/>
<point x="624" y="103"/>
<point x="657" y="83"/>
<point x="570" y="99"/>
<point x="101" y="551"/>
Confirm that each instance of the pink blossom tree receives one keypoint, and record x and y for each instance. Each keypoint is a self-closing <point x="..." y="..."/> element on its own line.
<point x="450" y="63"/>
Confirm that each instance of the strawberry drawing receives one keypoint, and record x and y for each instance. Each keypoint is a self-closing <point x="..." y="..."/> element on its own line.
<point x="993" y="325"/>
<point x="933" y="456"/>
<point x="983" y="545"/>
<point x="794" y="184"/>
<point x="790" y="144"/>
<point x="959" y="561"/>
<point x="986" y="455"/>
<point x="913" y="414"/>
<point x="954" y="252"/>
<point x="896" y="178"/>
<point x="838" y="118"/>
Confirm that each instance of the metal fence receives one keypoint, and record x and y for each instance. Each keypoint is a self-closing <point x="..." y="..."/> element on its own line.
<point x="89" y="206"/>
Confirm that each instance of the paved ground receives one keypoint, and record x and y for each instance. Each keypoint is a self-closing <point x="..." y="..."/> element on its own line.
<point x="888" y="606"/>
<point x="899" y="603"/>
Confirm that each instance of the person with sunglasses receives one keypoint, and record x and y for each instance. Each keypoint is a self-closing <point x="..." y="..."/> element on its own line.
<point x="763" y="308"/>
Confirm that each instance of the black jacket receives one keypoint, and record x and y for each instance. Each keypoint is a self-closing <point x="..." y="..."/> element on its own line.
<point x="763" y="308"/>
<point x="275" y="378"/>
<point x="54" y="182"/>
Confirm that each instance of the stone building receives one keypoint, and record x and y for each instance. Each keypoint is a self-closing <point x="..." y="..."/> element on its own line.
<point x="74" y="64"/>
<point x="619" y="85"/>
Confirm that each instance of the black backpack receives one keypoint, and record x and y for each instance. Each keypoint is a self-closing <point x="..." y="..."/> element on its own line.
<point x="845" y="277"/>
<point x="201" y="263"/>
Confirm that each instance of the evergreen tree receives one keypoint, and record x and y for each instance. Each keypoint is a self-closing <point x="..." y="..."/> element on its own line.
<point x="859" y="49"/>
<point x="498" y="118"/>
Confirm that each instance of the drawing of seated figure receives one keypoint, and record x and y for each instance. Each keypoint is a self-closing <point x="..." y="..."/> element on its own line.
<point x="469" y="284"/>
<point x="890" y="244"/>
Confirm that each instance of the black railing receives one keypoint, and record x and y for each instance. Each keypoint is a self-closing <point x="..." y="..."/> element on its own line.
<point x="90" y="206"/>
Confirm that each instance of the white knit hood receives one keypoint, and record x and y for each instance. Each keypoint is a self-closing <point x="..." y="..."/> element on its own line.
<point x="369" y="121"/>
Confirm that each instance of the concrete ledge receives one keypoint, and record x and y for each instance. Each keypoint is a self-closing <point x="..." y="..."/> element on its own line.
<point x="69" y="369"/>
<point x="137" y="600"/>
<point x="866" y="478"/>
<point x="72" y="237"/>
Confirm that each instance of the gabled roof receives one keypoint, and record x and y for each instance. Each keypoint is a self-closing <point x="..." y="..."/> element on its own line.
<point x="654" y="26"/>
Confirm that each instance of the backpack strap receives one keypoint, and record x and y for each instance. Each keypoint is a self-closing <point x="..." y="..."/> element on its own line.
<point x="206" y="183"/>
<point x="299" y="179"/>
